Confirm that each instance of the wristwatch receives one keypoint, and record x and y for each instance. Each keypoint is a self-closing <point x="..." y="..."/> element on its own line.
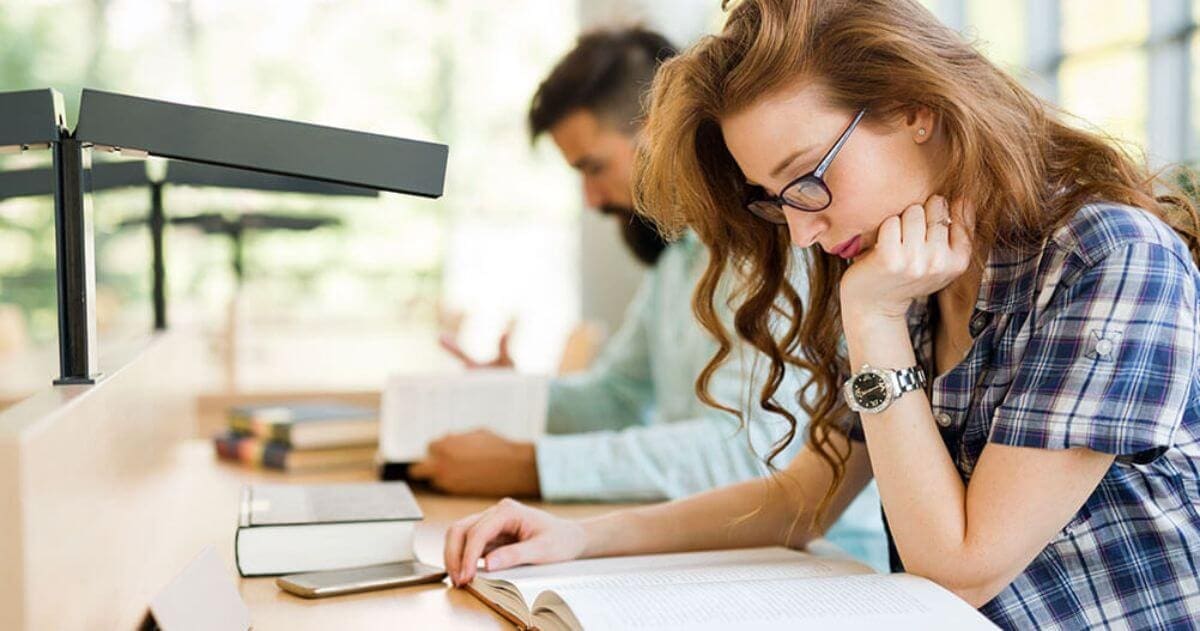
<point x="872" y="390"/>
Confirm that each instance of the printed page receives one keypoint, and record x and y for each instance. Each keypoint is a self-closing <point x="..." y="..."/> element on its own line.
<point x="865" y="602"/>
<point x="418" y="409"/>
<point x="748" y="564"/>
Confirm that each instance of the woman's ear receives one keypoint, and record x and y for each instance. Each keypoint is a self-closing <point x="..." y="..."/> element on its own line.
<point x="920" y="124"/>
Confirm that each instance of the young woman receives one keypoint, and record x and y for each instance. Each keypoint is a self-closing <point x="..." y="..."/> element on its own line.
<point x="1002" y="324"/>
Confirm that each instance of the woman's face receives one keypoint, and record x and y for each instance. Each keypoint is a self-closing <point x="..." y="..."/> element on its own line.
<point x="882" y="169"/>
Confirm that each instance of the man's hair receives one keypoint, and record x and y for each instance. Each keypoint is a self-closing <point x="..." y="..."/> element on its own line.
<point x="607" y="72"/>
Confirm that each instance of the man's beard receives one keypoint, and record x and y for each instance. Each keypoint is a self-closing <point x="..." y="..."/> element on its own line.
<point x="640" y="235"/>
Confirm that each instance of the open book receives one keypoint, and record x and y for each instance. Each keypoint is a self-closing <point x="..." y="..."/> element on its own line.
<point x="418" y="409"/>
<point x="756" y="588"/>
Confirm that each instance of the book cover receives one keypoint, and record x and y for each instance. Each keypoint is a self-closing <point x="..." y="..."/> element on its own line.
<point x="287" y="528"/>
<point x="308" y="424"/>
<point x="251" y="450"/>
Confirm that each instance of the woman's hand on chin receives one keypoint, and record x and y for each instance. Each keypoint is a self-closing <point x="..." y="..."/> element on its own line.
<point x="916" y="253"/>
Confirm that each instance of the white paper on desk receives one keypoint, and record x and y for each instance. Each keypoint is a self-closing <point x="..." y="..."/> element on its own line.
<point x="418" y="409"/>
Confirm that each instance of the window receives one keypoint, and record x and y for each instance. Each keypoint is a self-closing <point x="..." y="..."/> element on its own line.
<point x="1103" y="77"/>
<point x="1125" y="67"/>
<point x="998" y="26"/>
<point x="457" y="72"/>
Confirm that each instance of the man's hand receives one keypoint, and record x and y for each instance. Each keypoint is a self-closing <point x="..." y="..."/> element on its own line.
<point x="502" y="360"/>
<point x="480" y="463"/>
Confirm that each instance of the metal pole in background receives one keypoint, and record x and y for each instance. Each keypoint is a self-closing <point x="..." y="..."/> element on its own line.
<point x="76" y="269"/>
<point x="158" y="268"/>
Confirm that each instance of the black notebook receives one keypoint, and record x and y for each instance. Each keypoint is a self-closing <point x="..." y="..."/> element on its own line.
<point x="288" y="528"/>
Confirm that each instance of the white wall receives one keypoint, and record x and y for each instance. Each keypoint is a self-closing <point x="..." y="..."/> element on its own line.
<point x="608" y="273"/>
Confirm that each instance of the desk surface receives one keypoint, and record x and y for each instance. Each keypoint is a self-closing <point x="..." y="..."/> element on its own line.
<point x="419" y="607"/>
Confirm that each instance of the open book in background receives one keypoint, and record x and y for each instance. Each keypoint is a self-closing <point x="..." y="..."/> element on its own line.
<point x="418" y="409"/>
<point x="755" y="588"/>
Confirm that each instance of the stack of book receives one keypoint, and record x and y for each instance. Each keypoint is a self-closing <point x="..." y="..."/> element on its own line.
<point x="300" y="436"/>
<point x="288" y="528"/>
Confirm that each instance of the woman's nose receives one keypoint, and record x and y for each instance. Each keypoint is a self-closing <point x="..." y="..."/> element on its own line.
<point x="592" y="195"/>
<point x="804" y="227"/>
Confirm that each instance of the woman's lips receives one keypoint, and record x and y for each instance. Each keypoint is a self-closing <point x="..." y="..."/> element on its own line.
<point x="849" y="249"/>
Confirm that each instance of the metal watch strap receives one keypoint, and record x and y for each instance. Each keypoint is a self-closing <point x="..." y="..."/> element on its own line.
<point x="909" y="379"/>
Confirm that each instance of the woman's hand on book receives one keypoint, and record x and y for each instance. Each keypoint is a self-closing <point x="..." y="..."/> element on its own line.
<point x="509" y="534"/>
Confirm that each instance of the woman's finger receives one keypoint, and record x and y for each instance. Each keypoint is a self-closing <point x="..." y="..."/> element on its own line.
<point x="478" y="536"/>
<point x="937" y="233"/>
<point x="455" y="538"/>
<point x="519" y="553"/>
<point x="912" y="226"/>
<point x="500" y="541"/>
<point x="889" y="233"/>
<point x="962" y="230"/>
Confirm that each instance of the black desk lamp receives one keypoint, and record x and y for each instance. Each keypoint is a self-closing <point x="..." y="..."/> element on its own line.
<point x="141" y="127"/>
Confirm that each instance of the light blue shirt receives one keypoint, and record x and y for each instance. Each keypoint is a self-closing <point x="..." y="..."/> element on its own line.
<point x="632" y="427"/>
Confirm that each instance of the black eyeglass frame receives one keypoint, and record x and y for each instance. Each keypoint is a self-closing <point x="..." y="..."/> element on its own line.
<point x="774" y="203"/>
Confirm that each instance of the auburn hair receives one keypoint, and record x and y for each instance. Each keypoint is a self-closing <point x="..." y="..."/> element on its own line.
<point x="1025" y="170"/>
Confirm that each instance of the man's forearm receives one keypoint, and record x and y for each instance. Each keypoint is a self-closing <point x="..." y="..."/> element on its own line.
<point x="657" y="462"/>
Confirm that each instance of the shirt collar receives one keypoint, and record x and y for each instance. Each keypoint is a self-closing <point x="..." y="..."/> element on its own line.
<point x="1009" y="279"/>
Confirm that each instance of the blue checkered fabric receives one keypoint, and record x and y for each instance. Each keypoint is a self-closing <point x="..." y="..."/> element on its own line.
<point x="1091" y="341"/>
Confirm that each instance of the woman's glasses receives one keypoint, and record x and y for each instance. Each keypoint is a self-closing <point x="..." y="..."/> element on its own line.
<point x="808" y="192"/>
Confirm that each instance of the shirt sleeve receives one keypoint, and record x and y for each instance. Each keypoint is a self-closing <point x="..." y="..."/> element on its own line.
<point x="619" y="388"/>
<point x="1110" y="362"/>
<point x="670" y="460"/>
<point x="655" y="462"/>
<point x="851" y="425"/>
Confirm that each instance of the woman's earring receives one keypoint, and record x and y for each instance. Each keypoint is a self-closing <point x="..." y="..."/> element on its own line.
<point x="921" y="132"/>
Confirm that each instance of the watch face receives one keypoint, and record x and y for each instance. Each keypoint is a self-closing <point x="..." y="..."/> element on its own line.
<point x="870" y="390"/>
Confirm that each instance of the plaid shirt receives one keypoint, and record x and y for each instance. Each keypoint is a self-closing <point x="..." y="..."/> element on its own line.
<point x="1092" y="342"/>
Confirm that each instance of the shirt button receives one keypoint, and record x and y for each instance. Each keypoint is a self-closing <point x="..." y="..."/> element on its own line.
<point x="978" y="323"/>
<point x="1104" y="347"/>
<point x="944" y="419"/>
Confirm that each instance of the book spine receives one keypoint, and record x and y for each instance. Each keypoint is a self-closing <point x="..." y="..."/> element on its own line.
<point x="275" y="456"/>
<point x="240" y="423"/>
<point x="226" y="446"/>
<point x="237" y="551"/>
<point x="250" y="450"/>
<point x="245" y="506"/>
<point x="280" y="433"/>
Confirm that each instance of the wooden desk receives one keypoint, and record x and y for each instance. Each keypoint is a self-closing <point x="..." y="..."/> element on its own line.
<point x="420" y="607"/>
<point x="106" y="494"/>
